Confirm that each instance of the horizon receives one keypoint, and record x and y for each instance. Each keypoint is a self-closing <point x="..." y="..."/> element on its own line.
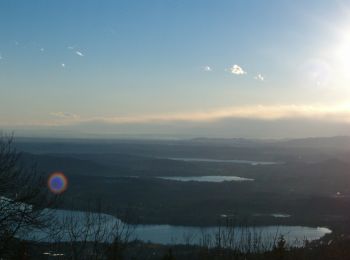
<point x="165" y="139"/>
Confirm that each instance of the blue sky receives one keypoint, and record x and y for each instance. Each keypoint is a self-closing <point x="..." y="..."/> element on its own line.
<point x="119" y="67"/>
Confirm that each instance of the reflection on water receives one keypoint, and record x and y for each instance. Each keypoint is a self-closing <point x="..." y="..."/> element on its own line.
<point x="279" y="215"/>
<point x="275" y="215"/>
<point x="168" y="234"/>
<point x="224" y="161"/>
<point x="206" y="178"/>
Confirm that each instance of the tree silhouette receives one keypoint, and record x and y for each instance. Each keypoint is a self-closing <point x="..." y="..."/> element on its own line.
<point x="23" y="195"/>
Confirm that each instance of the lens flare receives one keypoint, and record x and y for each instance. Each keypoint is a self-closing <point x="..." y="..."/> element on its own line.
<point x="57" y="183"/>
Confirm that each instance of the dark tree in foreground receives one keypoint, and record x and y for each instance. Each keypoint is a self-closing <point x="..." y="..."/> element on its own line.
<point x="23" y="195"/>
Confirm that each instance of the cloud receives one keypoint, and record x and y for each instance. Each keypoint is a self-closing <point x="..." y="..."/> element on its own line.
<point x="63" y="65"/>
<point x="207" y="68"/>
<point x="70" y="47"/>
<point x="339" y="113"/>
<point x="336" y="112"/>
<point x="42" y="49"/>
<point x="259" y="77"/>
<point x="235" y="69"/>
<point x="79" y="53"/>
<point x="271" y="112"/>
<point x="65" y="115"/>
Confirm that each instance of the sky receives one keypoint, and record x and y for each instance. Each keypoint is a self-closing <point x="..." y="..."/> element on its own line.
<point x="175" y="68"/>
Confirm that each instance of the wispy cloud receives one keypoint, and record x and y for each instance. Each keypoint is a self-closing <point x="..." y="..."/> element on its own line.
<point x="65" y="115"/>
<point x="259" y="77"/>
<point x="79" y="53"/>
<point x="63" y="65"/>
<point x="207" y="68"/>
<point x="238" y="70"/>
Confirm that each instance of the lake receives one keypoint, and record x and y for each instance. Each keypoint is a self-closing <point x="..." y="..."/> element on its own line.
<point x="224" y="161"/>
<point x="66" y="221"/>
<point x="206" y="178"/>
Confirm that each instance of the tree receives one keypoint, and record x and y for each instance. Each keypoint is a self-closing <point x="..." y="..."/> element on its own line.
<point x="23" y="195"/>
<point x="279" y="250"/>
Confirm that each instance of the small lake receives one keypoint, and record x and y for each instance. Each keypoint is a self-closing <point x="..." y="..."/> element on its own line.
<point x="224" y="161"/>
<point x="169" y="234"/>
<point x="206" y="178"/>
<point x="274" y="215"/>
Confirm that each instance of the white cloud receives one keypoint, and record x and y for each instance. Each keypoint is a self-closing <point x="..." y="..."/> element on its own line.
<point x="65" y="115"/>
<point x="207" y="68"/>
<point x="259" y="77"/>
<point x="235" y="69"/>
<point x="63" y="65"/>
<point x="77" y="52"/>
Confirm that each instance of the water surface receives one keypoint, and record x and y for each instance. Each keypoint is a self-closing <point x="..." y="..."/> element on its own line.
<point x="206" y="178"/>
<point x="66" y="221"/>
<point x="224" y="161"/>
